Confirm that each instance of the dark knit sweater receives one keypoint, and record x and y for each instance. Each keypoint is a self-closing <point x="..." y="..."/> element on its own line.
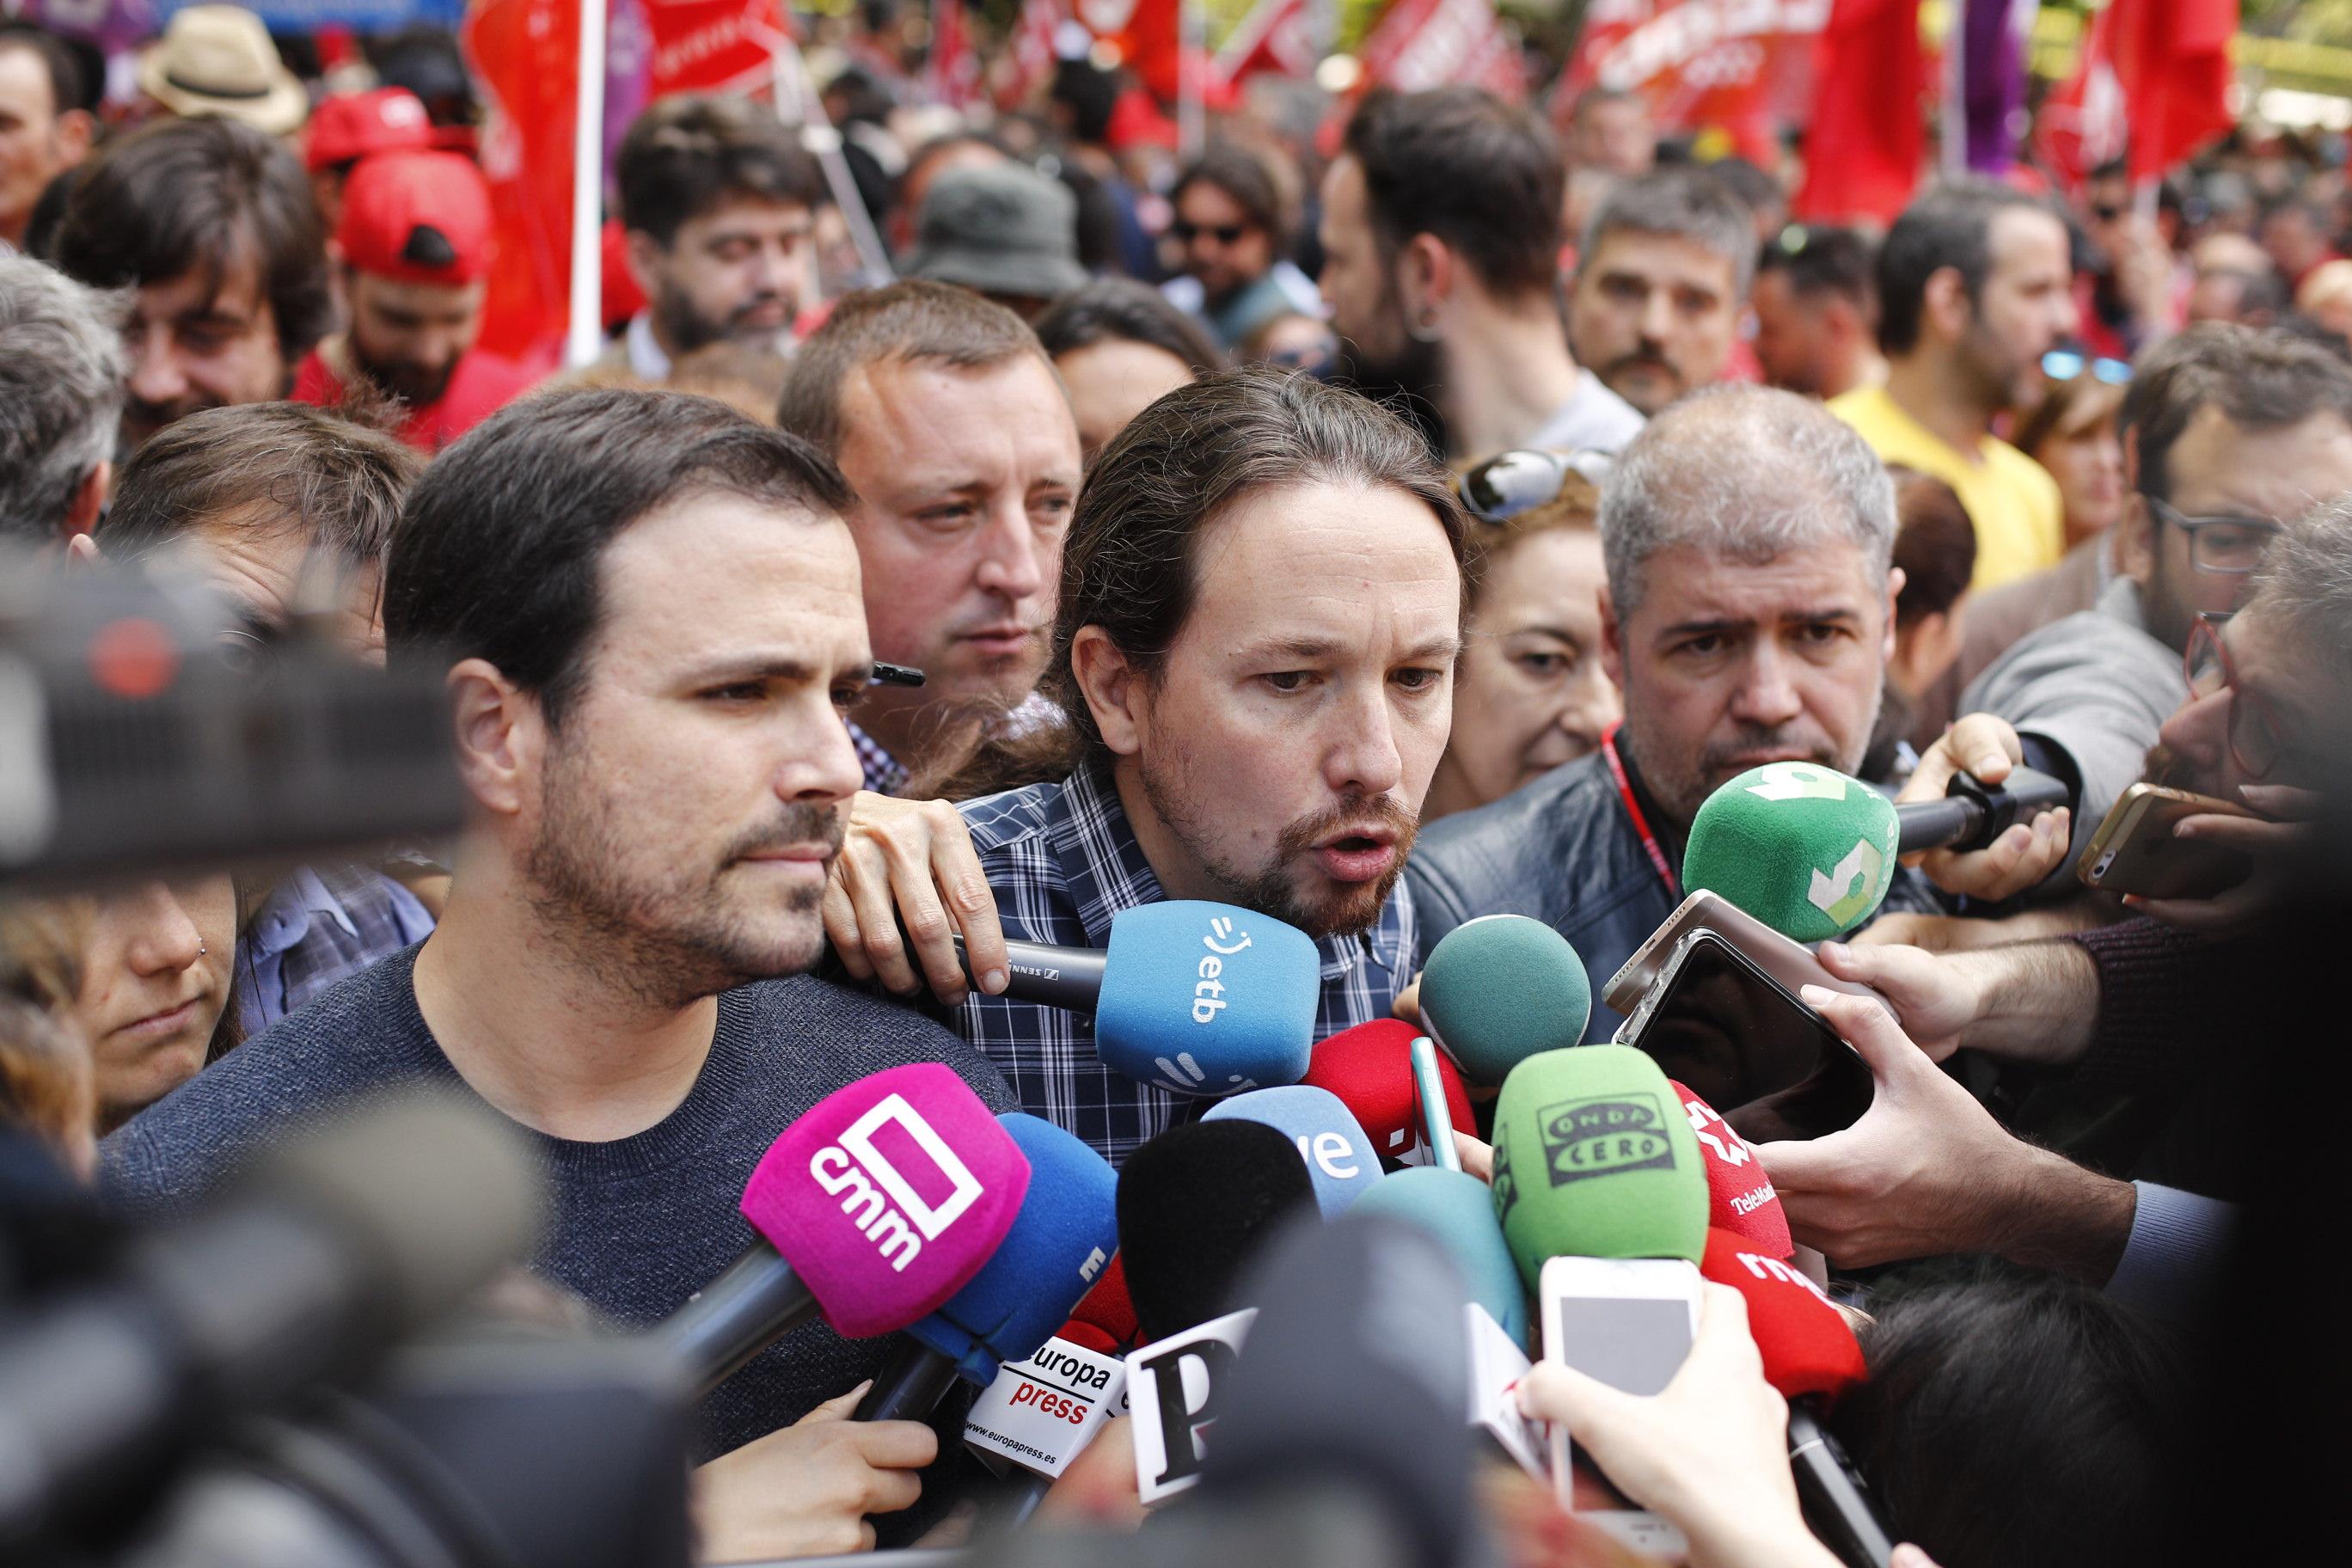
<point x="2169" y="1001"/>
<point x="638" y="1223"/>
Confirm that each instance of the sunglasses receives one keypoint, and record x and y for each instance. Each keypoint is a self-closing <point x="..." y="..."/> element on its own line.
<point x="1510" y="483"/>
<point x="2065" y="364"/>
<point x="2254" y="743"/>
<point x="1224" y="233"/>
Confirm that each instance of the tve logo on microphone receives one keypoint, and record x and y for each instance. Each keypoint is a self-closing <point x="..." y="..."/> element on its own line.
<point x="878" y="1188"/>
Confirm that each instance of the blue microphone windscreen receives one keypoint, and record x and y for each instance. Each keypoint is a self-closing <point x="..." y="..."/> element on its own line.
<point x="1338" y="1155"/>
<point x="1059" y="1245"/>
<point x="1207" y="999"/>
<point x="1458" y="1210"/>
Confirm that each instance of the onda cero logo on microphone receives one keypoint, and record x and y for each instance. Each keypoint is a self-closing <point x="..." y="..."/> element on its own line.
<point x="882" y="1167"/>
<point x="1604" y="1136"/>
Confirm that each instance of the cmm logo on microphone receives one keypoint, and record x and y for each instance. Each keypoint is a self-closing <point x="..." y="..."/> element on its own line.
<point x="1605" y="1136"/>
<point x="878" y="1188"/>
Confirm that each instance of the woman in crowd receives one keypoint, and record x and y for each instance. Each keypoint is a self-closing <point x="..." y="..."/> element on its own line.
<point x="1531" y="693"/>
<point x="1935" y="547"/>
<point x="1120" y="346"/>
<point x="2073" y="432"/>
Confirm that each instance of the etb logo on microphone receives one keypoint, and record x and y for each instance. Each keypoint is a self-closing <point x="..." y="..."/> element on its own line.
<point x="898" y="1180"/>
<point x="1604" y="1137"/>
<point x="1209" y="996"/>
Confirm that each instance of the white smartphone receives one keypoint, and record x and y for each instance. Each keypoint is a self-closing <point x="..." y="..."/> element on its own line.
<point x="1628" y="1322"/>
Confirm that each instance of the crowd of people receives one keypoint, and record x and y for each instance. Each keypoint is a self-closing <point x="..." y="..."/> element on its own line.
<point x="1383" y="517"/>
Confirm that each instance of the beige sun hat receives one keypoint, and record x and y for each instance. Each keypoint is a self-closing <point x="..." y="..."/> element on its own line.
<point x="217" y="61"/>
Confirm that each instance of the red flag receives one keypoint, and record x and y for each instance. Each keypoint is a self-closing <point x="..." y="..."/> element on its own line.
<point x="951" y="72"/>
<point x="714" y="46"/>
<point x="1868" y="134"/>
<point x="1028" y="59"/>
<point x="1744" y="67"/>
<point x="526" y="55"/>
<point x="1421" y="44"/>
<point x="2154" y="82"/>
<point x="1277" y="36"/>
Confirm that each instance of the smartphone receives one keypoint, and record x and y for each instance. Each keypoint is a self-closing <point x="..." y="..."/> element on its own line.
<point x="1740" y="1041"/>
<point x="1791" y="962"/>
<point x="1628" y="1322"/>
<point x="2134" y="850"/>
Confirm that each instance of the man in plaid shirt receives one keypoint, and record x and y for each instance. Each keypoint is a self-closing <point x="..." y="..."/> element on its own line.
<point x="1254" y="646"/>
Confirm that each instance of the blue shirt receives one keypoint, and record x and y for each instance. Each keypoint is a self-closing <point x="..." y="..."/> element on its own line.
<point x="315" y="928"/>
<point x="1062" y="859"/>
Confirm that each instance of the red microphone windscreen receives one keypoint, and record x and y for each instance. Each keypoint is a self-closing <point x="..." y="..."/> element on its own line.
<point x="1806" y="1345"/>
<point x="1369" y="1067"/>
<point x="1740" y="1195"/>
<point x="1086" y="1336"/>
<point x="1105" y="1307"/>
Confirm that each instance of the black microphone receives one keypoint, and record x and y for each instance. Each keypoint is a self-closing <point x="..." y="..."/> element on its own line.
<point x="1829" y="1491"/>
<point x="1193" y="1206"/>
<point x="1051" y="977"/>
<point x="1973" y="814"/>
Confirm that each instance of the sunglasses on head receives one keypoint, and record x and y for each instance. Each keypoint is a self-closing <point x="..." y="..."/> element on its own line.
<point x="1223" y="233"/>
<point x="2065" y="364"/>
<point x="1510" y="483"/>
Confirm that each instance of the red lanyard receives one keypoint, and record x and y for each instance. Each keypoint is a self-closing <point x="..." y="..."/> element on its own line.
<point x="1633" y="810"/>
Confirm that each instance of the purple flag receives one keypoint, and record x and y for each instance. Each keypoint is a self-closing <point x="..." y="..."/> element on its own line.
<point x="1986" y="57"/>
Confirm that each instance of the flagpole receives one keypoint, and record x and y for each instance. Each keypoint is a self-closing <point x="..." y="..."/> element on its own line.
<point x="823" y="140"/>
<point x="1191" y="35"/>
<point x="585" y="341"/>
<point x="1953" y="120"/>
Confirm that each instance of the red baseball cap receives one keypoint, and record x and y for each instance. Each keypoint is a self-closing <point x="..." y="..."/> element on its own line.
<point x="418" y="217"/>
<point x="388" y="120"/>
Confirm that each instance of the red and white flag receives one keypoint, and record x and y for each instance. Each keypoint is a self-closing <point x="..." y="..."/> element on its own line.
<point x="1027" y="62"/>
<point x="1739" y="65"/>
<point x="1420" y="44"/>
<point x="951" y="72"/>
<point x="2154" y="84"/>
<point x="1277" y="36"/>
<point x="714" y="46"/>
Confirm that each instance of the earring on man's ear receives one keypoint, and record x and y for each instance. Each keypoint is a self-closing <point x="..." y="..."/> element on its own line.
<point x="1424" y="329"/>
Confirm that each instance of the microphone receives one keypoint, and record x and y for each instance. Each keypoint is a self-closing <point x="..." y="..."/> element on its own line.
<point x="880" y="1202"/>
<point x="1500" y="988"/>
<point x="1811" y="852"/>
<point x="1193" y="1205"/>
<point x="1369" y="1067"/>
<point x="1455" y="1210"/>
<point x="1811" y="1356"/>
<point x="1061" y="1241"/>
<point x="1355" y="1376"/>
<point x="1338" y="1156"/>
<point x="1740" y="1198"/>
<point x="1594" y="1157"/>
<point x="326" y="1252"/>
<point x="1197" y="998"/>
<point x="1104" y="1318"/>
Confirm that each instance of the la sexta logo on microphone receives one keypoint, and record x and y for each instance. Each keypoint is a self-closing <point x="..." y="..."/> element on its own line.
<point x="882" y="1166"/>
<point x="1602" y="1137"/>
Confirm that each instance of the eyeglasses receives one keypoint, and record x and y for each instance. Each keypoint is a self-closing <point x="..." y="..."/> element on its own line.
<point x="2254" y="743"/>
<point x="2225" y="546"/>
<point x="2065" y="364"/>
<point x="1520" y="480"/>
<point x="1224" y="233"/>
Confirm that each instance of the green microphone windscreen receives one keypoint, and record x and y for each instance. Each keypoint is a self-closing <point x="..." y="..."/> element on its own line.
<point x="1500" y="988"/>
<point x="1803" y="847"/>
<point x="1594" y="1157"/>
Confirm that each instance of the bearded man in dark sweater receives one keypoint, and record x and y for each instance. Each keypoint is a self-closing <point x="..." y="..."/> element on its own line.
<point x="648" y="608"/>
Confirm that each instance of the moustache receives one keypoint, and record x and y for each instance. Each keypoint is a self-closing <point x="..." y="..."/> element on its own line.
<point x="800" y="824"/>
<point x="1309" y="831"/>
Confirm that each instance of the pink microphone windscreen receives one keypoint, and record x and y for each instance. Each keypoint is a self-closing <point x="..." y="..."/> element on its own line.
<point x="888" y="1196"/>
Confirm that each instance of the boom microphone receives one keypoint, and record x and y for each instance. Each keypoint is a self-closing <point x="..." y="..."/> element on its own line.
<point x="880" y="1202"/>
<point x="1811" y="1356"/>
<point x="1811" y="853"/>
<point x="1198" y="998"/>
<point x="1500" y="988"/>
<point x="1338" y="1157"/>
<point x="1594" y="1158"/>
<point x="1061" y="1241"/>
<point x="1369" y="1067"/>
<point x="1193" y="1204"/>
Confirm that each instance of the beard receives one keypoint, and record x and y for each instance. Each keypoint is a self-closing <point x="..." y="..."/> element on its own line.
<point x="419" y="386"/>
<point x="688" y="329"/>
<point x="1346" y="910"/>
<point x="665" y="933"/>
<point x="1408" y="383"/>
<point x="1682" y="787"/>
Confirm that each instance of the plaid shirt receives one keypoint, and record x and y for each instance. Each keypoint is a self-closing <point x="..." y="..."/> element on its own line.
<point x="883" y="776"/>
<point x="1062" y="860"/>
<point x="316" y="927"/>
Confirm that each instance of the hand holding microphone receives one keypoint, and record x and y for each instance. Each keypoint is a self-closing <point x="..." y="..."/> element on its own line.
<point x="804" y="1490"/>
<point x="1980" y="754"/>
<point x="910" y="863"/>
